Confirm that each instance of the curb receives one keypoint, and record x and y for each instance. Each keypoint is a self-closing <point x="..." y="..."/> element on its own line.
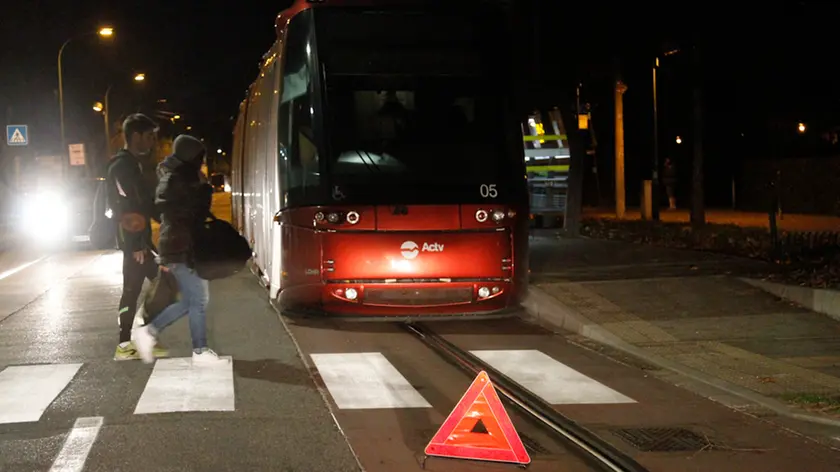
<point x="549" y="312"/>
<point x="820" y="300"/>
<point x="312" y="372"/>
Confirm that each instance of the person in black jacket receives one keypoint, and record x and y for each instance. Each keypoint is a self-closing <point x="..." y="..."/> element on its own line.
<point x="131" y="202"/>
<point x="184" y="197"/>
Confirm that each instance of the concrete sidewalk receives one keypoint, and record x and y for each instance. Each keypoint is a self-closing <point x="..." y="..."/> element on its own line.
<point x="719" y="332"/>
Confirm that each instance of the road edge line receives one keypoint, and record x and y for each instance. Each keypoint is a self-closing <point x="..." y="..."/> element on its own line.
<point x="545" y="310"/>
<point x="99" y="254"/>
<point x="321" y="390"/>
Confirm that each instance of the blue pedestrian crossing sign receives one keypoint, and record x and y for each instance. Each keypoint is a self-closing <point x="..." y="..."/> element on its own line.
<point x="17" y="135"/>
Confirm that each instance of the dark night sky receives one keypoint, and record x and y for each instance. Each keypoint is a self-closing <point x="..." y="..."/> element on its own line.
<point x="761" y="60"/>
<point x="199" y="57"/>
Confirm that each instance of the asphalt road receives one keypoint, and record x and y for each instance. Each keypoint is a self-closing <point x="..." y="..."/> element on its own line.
<point x="391" y="393"/>
<point x="66" y="405"/>
<point x="333" y="396"/>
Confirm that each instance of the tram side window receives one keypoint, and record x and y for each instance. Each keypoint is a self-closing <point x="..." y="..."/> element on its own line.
<point x="303" y="174"/>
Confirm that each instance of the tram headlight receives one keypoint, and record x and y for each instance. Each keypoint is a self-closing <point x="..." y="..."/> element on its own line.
<point x="481" y="216"/>
<point x="498" y="216"/>
<point x="483" y="292"/>
<point x="332" y="218"/>
<point x="319" y="217"/>
<point x="352" y="217"/>
<point x="351" y="294"/>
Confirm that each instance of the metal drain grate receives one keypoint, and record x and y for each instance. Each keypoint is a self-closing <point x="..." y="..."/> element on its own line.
<point x="532" y="445"/>
<point x="663" y="439"/>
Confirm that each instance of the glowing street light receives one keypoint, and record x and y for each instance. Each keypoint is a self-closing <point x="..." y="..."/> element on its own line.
<point x="140" y="77"/>
<point x="106" y="32"/>
<point x="97" y="107"/>
<point x="679" y="140"/>
<point x="801" y="127"/>
<point x="218" y="151"/>
<point x="176" y="117"/>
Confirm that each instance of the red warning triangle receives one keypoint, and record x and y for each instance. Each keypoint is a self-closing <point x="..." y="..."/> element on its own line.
<point x="479" y="428"/>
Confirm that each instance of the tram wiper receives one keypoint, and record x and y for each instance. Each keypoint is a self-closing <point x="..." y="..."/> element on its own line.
<point x="370" y="159"/>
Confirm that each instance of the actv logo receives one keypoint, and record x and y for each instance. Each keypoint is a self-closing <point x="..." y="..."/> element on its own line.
<point x="410" y="249"/>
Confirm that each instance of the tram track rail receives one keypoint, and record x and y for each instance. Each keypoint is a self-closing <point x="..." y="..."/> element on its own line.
<point x="599" y="452"/>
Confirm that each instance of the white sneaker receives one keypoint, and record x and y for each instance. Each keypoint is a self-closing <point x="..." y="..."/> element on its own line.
<point x="207" y="356"/>
<point x="145" y="342"/>
<point x="139" y="317"/>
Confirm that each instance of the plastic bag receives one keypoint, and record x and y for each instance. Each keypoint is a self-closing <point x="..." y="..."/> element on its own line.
<point x="162" y="293"/>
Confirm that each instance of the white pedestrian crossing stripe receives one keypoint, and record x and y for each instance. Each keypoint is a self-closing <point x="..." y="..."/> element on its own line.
<point x="178" y="385"/>
<point x="26" y="391"/>
<point x="175" y="385"/>
<point x="549" y="379"/>
<point x="366" y="380"/>
<point x="355" y="381"/>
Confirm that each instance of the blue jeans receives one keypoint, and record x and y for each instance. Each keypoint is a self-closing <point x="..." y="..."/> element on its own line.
<point x="195" y="294"/>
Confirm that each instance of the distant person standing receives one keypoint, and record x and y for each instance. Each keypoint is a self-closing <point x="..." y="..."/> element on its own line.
<point x="184" y="197"/>
<point x="669" y="179"/>
<point x="131" y="202"/>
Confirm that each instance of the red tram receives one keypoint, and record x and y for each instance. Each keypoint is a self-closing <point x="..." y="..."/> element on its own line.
<point x="378" y="167"/>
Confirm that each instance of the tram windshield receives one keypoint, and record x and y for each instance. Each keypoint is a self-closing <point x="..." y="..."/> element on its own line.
<point x="412" y="101"/>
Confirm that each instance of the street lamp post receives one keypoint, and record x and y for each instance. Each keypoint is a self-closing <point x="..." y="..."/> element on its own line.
<point x="655" y="164"/>
<point x="106" y="32"/>
<point x="106" y="111"/>
<point x="655" y="177"/>
<point x="107" y="115"/>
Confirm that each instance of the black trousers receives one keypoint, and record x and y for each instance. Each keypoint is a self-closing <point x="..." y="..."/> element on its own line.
<point x="133" y="275"/>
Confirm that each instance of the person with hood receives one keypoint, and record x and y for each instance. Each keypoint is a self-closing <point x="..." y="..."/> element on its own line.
<point x="131" y="202"/>
<point x="183" y="196"/>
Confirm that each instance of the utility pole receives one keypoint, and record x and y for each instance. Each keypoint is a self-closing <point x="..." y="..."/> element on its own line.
<point x="698" y="212"/>
<point x="577" y="161"/>
<point x="620" y="207"/>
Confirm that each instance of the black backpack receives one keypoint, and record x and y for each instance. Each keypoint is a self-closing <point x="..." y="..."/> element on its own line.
<point x="219" y="250"/>
<point x="103" y="230"/>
